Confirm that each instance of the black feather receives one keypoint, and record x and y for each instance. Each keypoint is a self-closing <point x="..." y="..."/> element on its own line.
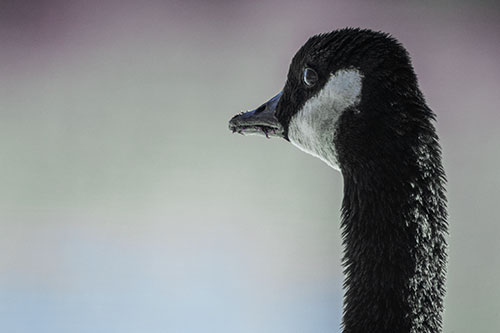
<point x="394" y="208"/>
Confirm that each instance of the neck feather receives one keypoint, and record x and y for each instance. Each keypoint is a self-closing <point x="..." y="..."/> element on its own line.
<point x="394" y="228"/>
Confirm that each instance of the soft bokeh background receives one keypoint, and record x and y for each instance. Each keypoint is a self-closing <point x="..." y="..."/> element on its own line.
<point x="127" y="206"/>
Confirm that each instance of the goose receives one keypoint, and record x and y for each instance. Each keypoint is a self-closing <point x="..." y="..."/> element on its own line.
<point x="351" y="99"/>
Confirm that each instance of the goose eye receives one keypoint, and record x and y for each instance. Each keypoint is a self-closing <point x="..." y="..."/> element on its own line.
<point x="310" y="77"/>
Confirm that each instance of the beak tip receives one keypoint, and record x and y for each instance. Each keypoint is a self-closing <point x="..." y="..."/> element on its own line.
<point x="261" y="121"/>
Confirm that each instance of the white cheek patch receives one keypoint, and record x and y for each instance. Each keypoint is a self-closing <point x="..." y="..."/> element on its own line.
<point x="312" y="129"/>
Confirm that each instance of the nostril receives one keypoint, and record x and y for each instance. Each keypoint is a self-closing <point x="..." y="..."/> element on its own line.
<point x="260" y="108"/>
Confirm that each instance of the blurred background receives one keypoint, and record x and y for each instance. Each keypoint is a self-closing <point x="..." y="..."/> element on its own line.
<point x="126" y="205"/>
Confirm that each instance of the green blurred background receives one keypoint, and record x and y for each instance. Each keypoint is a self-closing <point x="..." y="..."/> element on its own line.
<point x="126" y="205"/>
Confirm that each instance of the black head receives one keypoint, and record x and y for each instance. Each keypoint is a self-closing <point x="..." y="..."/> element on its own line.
<point x="346" y="126"/>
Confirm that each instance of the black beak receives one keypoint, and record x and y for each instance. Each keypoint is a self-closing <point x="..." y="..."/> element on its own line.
<point x="261" y="121"/>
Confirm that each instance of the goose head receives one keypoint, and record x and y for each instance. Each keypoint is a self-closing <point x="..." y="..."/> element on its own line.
<point x="344" y="101"/>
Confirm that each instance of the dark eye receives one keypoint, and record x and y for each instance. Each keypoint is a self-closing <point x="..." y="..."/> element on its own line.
<point x="310" y="77"/>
